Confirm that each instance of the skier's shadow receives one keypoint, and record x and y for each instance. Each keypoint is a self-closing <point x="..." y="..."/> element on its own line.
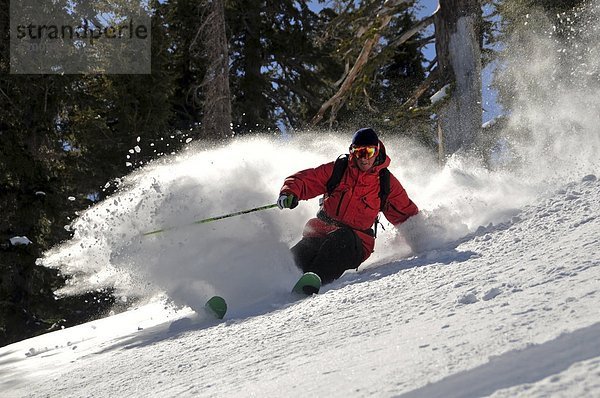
<point x="166" y="331"/>
<point x="374" y="272"/>
<point x="200" y="321"/>
<point x="446" y="254"/>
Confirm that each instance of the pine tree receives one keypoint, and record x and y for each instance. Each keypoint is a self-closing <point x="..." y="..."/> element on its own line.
<point x="279" y="69"/>
<point x="386" y="83"/>
<point x="181" y="21"/>
<point x="62" y="137"/>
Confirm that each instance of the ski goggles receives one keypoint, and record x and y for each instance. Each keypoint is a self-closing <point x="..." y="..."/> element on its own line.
<point x="364" y="152"/>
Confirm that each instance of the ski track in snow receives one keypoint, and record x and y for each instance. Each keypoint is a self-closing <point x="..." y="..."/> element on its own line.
<point x="510" y="310"/>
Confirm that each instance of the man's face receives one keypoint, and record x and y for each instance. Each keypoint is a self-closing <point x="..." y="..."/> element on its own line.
<point x="365" y="164"/>
<point x="365" y="156"/>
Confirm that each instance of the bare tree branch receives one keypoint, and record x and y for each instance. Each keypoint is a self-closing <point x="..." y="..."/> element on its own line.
<point x="422" y="89"/>
<point x="336" y="101"/>
<point x="431" y="65"/>
<point x="414" y="30"/>
<point x="384" y="17"/>
<point x="368" y="99"/>
<point x="346" y="70"/>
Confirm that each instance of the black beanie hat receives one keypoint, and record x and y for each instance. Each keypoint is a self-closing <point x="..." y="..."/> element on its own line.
<point x="365" y="137"/>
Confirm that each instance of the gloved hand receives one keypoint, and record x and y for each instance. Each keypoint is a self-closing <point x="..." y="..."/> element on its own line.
<point x="287" y="201"/>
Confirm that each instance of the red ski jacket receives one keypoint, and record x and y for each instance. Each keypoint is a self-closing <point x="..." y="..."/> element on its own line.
<point x="354" y="202"/>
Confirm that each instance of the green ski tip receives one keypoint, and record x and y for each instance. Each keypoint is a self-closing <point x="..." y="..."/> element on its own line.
<point x="308" y="284"/>
<point x="216" y="306"/>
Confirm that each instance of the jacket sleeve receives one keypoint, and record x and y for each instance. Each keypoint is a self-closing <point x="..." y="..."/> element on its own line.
<point x="399" y="206"/>
<point x="309" y="183"/>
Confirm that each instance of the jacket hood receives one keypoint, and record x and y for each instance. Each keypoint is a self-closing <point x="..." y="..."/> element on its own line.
<point x="383" y="160"/>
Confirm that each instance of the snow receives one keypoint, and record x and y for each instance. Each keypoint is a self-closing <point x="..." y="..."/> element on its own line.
<point x="504" y="303"/>
<point x="440" y="94"/>
<point x="489" y="123"/>
<point x="492" y="290"/>
<point x="19" y="240"/>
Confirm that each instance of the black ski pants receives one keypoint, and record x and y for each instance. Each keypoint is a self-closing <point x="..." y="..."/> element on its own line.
<point x="329" y="256"/>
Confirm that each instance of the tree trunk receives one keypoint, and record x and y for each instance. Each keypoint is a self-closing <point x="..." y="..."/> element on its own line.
<point x="458" y="37"/>
<point x="216" y="119"/>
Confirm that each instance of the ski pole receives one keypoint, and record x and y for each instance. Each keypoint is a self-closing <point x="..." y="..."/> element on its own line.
<point x="206" y="220"/>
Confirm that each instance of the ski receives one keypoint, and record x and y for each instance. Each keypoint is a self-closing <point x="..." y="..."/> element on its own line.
<point x="216" y="306"/>
<point x="308" y="284"/>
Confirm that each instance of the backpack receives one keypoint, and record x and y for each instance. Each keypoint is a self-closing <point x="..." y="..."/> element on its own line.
<point x="340" y="166"/>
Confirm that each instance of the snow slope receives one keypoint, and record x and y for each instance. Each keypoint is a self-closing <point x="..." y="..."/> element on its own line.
<point x="509" y="310"/>
<point x="492" y="290"/>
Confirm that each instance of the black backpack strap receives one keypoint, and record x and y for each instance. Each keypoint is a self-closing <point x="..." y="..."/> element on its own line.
<point x="384" y="187"/>
<point x="384" y="192"/>
<point x="341" y="163"/>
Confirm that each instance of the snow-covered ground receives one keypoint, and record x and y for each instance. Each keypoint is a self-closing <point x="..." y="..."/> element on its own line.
<point x="506" y="309"/>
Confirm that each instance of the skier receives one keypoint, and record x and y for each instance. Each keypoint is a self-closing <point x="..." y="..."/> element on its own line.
<point x="342" y="236"/>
